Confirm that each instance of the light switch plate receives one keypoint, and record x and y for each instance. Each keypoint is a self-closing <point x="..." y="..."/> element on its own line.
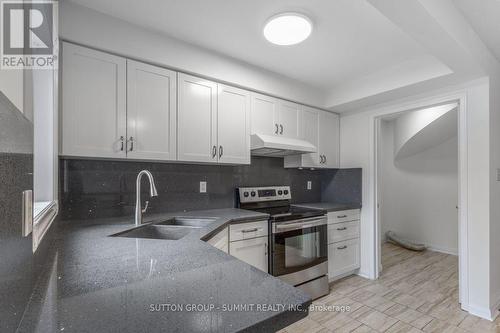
<point x="203" y="187"/>
<point x="309" y="184"/>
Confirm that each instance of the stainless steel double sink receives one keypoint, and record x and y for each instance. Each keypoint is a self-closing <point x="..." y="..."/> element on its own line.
<point x="171" y="229"/>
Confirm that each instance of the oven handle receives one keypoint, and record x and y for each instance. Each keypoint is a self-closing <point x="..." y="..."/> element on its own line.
<point x="300" y="224"/>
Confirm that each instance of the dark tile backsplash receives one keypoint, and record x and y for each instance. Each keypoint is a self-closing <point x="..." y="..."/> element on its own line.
<point x="101" y="188"/>
<point x="344" y="187"/>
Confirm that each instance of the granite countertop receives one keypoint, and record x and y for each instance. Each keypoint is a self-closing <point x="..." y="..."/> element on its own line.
<point x="96" y="283"/>
<point x="330" y="206"/>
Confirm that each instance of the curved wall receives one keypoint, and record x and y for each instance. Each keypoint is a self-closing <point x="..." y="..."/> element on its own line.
<point x="419" y="130"/>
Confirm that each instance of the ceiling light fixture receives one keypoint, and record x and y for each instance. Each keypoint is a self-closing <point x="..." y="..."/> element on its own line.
<point x="287" y="28"/>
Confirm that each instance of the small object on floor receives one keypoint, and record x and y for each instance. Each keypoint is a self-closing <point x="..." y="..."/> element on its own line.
<point x="393" y="238"/>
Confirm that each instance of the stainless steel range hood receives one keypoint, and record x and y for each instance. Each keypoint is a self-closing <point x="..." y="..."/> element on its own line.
<point x="278" y="146"/>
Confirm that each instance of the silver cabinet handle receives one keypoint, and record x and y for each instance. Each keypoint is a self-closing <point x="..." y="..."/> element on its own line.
<point x="341" y="216"/>
<point x="340" y="229"/>
<point x="277" y="129"/>
<point x="122" y="141"/>
<point x="265" y="249"/>
<point x="250" y="230"/>
<point x="342" y="247"/>
<point x="281" y="129"/>
<point x="214" y="151"/>
<point x="221" y="151"/>
<point x="131" y="140"/>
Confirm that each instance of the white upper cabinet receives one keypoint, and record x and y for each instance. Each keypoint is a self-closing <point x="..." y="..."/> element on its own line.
<point x="93" y="119"/>
<point x="196" y="119"/>
<point x="213" y="122"/>
<point x="264" y="115"/>
<point x="288" y="119"/>
<point x="321" y="128"/>
<point x="329" y="139"/>
<point x="233" y="125"/>
<point x="151" y="112"/>
<point x="309" y="131"/>
<point x="272" y="116"/>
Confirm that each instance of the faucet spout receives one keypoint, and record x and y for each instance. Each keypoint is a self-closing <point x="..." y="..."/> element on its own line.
<point x="152" y="192"/>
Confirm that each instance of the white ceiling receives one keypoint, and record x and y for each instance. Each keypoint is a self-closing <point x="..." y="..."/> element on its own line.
<point x="350" y="40"/>
<point x="484" y="17"/>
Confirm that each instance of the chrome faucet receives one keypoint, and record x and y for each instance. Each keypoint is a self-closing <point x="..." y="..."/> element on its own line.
<point x="152" y="193"/>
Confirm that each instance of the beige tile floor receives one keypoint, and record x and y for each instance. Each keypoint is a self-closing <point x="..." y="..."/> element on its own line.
<point x="416" y="292"/>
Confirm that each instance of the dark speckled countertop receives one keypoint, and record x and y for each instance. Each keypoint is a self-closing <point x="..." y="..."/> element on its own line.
<point x="96" y="283"/>
<point x="330" y="206"/>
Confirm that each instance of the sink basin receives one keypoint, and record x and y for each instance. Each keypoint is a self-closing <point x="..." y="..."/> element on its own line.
<point x="195" y="222"/>
<point x="153" y="231"/>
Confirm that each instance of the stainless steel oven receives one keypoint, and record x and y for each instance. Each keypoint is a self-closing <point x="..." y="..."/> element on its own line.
<point x="298" y="250"/>
<point x="299" y="254"/>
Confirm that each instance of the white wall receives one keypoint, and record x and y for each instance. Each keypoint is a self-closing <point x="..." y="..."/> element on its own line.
<point x="11" y="84"/>
<point x="419" y="194"/>
<point x="82" y="25"/>
<point x="479" y="199"/>
<point x="45" y="131"/>
<point x="357" y="133"/>
<point x="495" y="192"/>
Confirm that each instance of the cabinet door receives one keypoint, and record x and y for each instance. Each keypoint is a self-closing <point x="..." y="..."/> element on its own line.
<point x="309" y="131"/>
<point x="151" y="112"/>
<point x="197" y="119"/>
<point x="289" y="119"/>
<point x="93" y="117"/>
<point x="233" y="130"/>
<point x="329" y="138"/>
<point x="343" y="257"/>
<point x="264" y="115"/>
<point x="252" y="251"/>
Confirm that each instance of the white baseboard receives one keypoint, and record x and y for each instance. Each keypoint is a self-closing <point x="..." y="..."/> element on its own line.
<point x="495" y="310"/>
<point x="341" y="276"/>
<point x="480" y="311"/>
<point x="453" y="252"/>
<point x="365" y="275"/>
<point x="434" y="248"/>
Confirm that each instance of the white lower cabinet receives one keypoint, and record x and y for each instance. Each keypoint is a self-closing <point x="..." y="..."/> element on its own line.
<point x="343" y="243"/>
<point x="252" y="251"/>
<point x="245" y="241"/>
<point x="220" y="240"/>
<point x="249" y="243"/>
<point x="343" y="257"/>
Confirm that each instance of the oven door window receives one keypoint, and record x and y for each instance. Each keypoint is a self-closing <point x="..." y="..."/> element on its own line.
<point x="296" y="250"/>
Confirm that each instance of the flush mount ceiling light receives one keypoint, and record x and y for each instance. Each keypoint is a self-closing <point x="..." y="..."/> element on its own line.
<point x="287" y="28"/>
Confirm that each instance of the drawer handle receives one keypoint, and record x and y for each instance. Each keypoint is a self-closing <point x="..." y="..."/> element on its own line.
<point x="250" y="230"/>
<point x="341" y="216"/>
<point x="341" y="229"/>
<point x="342" y="247"/>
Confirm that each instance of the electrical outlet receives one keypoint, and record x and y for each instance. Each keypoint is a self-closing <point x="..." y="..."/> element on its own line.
<point x="203" y="187"/>
<point x="309" y="184"/>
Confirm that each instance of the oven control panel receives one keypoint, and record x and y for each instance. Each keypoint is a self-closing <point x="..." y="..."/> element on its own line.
<point x="269" y="193"/>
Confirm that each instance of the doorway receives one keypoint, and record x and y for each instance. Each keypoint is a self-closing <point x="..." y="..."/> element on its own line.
<point x="419" y="185"/>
